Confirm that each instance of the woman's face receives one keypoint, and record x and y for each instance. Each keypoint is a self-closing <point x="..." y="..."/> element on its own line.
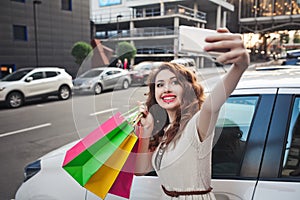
<point x="168" y="91"/>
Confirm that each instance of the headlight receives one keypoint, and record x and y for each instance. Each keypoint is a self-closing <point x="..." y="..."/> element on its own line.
<point x="88" y="83"/>
<point x="32" y="169"/>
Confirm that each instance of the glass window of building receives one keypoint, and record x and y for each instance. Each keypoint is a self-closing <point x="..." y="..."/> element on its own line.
<point x="19" y="32"/>
<point x="66" y="5"/>
<point x="21" y="1"/>
<point x="267" y="8"/>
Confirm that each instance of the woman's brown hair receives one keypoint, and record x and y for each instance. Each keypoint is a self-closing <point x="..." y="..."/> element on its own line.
<point x="193" y="94"/>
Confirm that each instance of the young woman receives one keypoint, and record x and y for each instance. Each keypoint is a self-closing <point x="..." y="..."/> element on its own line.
<point x="178" y="121"/>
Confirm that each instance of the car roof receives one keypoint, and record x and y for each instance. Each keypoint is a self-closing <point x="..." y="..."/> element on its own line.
<point x="271" y="77"/>
<point x="42" y="68"/>
<point x="106" y="68"/>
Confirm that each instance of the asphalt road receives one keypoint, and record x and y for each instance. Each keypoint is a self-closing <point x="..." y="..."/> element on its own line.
<point x="37" y="128"/>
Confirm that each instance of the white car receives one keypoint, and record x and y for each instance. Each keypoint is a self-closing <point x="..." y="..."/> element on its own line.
<point x="28" y="83"/>
<point x="99" y="79"/>
<point x="256" y="156"/>
<point x="189" y="63"/>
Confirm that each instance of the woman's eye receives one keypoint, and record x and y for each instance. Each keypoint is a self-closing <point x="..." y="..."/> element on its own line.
<point x="175" y="82"/>
<point x="159" y="85"/>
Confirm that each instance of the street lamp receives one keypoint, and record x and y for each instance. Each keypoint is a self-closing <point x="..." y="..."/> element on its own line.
<point x="35" y="2"/>
<point x="118" y="16"/>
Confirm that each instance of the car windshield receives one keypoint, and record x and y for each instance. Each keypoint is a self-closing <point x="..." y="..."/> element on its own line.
<point x="17" y="75"/>
<point x="144" y="66"/>
<point x="91" y="73"/>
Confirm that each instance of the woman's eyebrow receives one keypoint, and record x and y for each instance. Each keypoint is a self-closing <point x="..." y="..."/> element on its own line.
<point x="171" y="78"/>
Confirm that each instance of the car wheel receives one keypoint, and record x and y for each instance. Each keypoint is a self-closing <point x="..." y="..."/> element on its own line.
<point x="125" y="84"/>
<point x="97" y="89"/>
<point x="15" y="100"/>
<point x="64" y="92"/>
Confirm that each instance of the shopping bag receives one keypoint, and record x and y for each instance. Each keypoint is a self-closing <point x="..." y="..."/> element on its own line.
<point x="97" y="162"/>
<point x="122" y="184"/>
<point x="84" y="165"/>
<point x="102" y="180"/>
<point x="95" y="135"/>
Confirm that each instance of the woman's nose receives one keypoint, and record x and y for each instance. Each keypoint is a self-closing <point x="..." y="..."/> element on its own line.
<point x="167" y="87"/>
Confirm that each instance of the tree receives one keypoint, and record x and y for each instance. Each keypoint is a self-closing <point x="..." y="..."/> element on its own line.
<point x="297" y="37"/>
<point x="125" y="50"/>
<point x="80" y="51"/>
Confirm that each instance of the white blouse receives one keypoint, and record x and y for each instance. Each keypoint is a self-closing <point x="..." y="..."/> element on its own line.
<point x="187" y="166"/>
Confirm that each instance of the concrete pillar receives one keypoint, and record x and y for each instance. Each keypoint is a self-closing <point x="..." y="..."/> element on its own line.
<point x="162" y="8"/>
<point x="144" y="12"/>
<point x="224" y="19"/>
<point x="195" y="8"/>
<point x="218" y="17"/>
<point x="176" y="32"/>
<point x="131" y="29"/>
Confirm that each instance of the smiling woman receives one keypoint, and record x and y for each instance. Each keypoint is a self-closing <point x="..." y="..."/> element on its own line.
<point x="187" y="132"/>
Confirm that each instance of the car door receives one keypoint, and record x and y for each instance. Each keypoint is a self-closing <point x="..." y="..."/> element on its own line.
<point x="280" y="172"/>
<point x="52" y="81"/>
<point x="239" y="142"/>
<point x="110" y="79"/>
<point x="36" y="84"/>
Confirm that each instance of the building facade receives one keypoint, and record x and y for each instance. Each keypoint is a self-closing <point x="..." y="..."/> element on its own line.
<point x="269" y="15"/>
<point x="273" y="26"/>
<point x="152" y="25"/>
<point x="42" y="32"/>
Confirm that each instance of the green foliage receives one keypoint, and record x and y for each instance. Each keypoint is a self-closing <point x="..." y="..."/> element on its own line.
<point x="80" y="51"/>
<point x="297" y="38"/>
<point x="284" y="38"/>
<point x="125" y="50"/>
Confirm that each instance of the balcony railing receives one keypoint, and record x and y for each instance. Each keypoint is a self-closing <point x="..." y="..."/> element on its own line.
<point x="142" y="33"/>
<point x="111" y="17"/>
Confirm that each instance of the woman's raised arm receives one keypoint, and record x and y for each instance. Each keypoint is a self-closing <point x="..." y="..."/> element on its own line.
<point x="233" y="52"/>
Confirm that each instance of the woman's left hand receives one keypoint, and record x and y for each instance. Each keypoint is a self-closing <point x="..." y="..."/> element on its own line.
<point x="231" y="46"/>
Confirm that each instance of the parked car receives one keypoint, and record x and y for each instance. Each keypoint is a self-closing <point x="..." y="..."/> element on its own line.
<point x="189" y="63"/>
<point x="99" y="79"/>
<point x="140" y="72"/>
<point x="256" y="152"/>
<point x="27" y="83"/>
<point x="292" y="57"/>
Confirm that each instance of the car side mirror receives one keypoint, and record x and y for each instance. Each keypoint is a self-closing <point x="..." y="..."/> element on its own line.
<point x="29" y="79"/>
<point x="103" y="76"/>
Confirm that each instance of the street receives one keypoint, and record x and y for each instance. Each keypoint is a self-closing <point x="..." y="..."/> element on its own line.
<point x="40" y="127"/>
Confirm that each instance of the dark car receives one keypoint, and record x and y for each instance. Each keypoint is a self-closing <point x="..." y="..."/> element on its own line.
<point x="140" y="72"/>
<point x="292" y="57"/>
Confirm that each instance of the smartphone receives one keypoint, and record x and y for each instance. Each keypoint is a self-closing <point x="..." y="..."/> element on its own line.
<point x="192" y="39"/>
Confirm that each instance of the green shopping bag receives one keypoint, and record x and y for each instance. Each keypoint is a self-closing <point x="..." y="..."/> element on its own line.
<point x="88" y="162"/>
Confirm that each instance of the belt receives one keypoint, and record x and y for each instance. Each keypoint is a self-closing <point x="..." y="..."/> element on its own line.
<point x="177" y="194"/>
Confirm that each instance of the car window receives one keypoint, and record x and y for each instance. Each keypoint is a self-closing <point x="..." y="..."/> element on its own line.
<point x="109" y="73"/>
<point x="231" y="134"/>
<point x="143" y="66"/>
<point x="291" y="162"/>
<point x="50" y="74"/>
<point x="18" y="75"/>
<point x="37" y="75"/>
<point x="91" y="73"/>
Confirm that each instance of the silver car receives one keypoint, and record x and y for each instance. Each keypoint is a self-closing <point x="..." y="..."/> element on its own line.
<point x="99" y="79"/>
